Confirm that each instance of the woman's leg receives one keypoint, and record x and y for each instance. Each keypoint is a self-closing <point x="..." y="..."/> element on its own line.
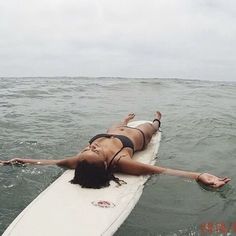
<point x="124" y="122"/>
<point x="157" y="121"/>
<point x="150" y="128"/>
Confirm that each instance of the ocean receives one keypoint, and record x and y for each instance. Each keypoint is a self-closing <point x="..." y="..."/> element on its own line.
<point x="54" y="117"/>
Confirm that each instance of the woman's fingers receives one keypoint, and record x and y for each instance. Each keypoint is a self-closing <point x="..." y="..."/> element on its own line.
<point x="227" y="180"/>
<point x="219" y="182"/>
<point x="12" y="161"/>
<point x="4" y="162"/>
<point x="223" y="178"/>
<point x="132" y="115"/>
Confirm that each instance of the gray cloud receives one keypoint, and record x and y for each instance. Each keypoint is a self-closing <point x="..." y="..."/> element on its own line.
<point x="155" y="38"/>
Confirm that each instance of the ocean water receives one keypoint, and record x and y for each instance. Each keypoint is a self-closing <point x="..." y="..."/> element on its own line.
<point x="54" y="117"/>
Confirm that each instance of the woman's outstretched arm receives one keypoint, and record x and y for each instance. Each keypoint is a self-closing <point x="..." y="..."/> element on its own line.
<point x="69" y="162"/>
<point x="129" y="166"/>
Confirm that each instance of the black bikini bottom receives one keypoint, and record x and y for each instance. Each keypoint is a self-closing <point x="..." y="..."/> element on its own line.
<point x="144" y="138"/>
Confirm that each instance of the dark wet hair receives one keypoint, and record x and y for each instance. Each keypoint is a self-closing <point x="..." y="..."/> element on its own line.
<point x="93" y="175"/>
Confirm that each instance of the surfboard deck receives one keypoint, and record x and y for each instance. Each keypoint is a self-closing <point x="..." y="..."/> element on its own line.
<point x="66" y="209"/>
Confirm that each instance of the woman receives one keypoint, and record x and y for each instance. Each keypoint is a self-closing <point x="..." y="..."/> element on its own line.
<point x="112" y="152"/>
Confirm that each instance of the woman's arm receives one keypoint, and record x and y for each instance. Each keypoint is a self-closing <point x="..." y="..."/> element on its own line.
<point x="129" y="166"/>
<point x="69" y="162"/>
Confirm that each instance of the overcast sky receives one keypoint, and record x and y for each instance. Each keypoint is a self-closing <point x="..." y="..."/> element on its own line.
<point x="191" y="39"/>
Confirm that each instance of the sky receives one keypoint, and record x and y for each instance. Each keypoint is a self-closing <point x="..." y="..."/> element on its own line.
<point x="189" y="39"/>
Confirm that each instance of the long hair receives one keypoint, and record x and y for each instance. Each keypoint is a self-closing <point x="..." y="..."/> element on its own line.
<point x="93" y="175"/>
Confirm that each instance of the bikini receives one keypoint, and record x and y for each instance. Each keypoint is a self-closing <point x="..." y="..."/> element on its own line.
<point x="126" y="142"/>
<point x="143" y="135"/>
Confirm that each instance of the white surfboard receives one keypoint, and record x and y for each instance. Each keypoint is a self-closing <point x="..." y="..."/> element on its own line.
<point x="65" y="209"/>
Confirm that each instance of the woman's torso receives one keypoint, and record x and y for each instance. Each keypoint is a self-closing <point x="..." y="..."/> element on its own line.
<point x="112" y="146"/>
<point x="133" y="134"/>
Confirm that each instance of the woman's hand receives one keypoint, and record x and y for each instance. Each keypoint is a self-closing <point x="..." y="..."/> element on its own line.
<point x="13" y="161"/>
<point x="212" y="180"/>
<point x="69" y="162"/>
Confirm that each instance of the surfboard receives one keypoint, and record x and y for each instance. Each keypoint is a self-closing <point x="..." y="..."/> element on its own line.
<point x="65" y="209"/>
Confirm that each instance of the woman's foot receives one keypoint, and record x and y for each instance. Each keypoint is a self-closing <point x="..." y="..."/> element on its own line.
<point x="158" y="115"/>
<point x="129" y="117"/>
<point x="157" y="121"/>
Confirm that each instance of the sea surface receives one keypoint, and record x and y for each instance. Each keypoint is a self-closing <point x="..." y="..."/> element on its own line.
<point x="54" y="117"/>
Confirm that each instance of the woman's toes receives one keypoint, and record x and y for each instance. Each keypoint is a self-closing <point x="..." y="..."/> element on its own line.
<point x="131" y="115"/>
<point x="158" y="115"/>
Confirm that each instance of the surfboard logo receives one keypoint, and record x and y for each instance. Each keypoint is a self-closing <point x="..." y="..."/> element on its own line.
<point x="103" y="204"/>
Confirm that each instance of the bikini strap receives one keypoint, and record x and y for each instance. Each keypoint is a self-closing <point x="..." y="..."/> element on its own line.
<point x="99" y="136"/>
<point x="109" y="165"/>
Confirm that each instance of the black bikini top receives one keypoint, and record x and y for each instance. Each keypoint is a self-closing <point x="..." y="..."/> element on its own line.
<point x="126" y="142"/>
